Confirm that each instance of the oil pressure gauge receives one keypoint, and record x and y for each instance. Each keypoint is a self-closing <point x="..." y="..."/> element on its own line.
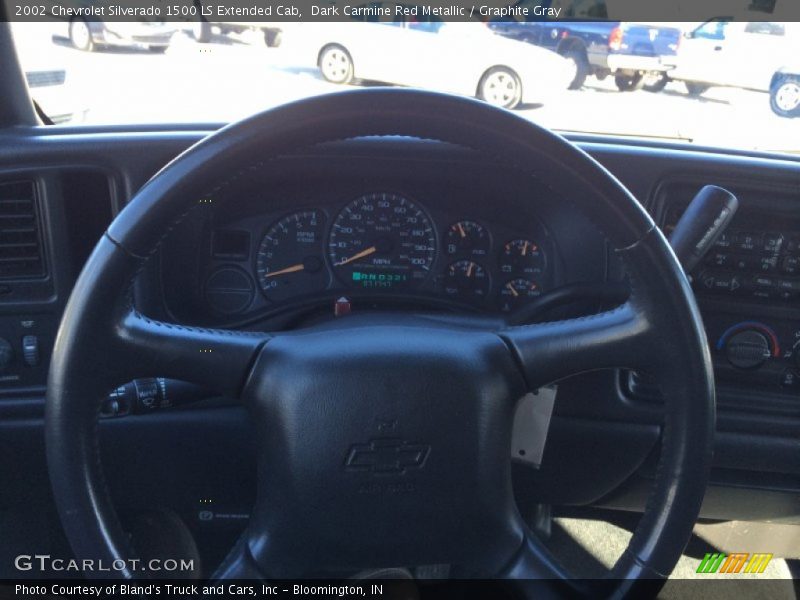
<point x="466" y="280"/>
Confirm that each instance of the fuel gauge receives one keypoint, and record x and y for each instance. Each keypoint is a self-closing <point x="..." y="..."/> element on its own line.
<point x="467" y="238"/>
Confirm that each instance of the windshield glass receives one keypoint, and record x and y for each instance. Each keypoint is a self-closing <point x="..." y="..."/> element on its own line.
<point x="721" y="82"/>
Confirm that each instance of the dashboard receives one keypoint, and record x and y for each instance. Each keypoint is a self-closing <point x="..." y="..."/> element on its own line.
<point x="418" y="226"/>
<point x="748" y="286"/>
<point x="486" y="240"/>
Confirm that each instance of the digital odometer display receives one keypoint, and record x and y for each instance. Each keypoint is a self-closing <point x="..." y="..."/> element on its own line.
<point x="382" y="240"/>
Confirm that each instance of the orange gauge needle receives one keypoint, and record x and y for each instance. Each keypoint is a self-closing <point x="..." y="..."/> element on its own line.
<point x="292" y="269"/>
<point x="362" y="254"/>
<point x="461" y="230"/>
<point x="525" y="249"/>
<point x="469" y="269"/>
<point x="511" y="288"/>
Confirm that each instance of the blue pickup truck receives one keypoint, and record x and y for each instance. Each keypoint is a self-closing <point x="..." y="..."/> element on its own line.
<point x="636" y="54"/>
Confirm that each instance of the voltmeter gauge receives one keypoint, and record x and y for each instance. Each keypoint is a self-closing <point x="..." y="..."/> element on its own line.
<point x="523" y="258"/>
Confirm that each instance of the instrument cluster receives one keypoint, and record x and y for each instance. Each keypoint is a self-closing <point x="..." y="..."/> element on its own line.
<point x="379" y="244"/>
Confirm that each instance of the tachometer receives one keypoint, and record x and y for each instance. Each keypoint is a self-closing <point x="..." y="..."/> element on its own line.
<point x="382" y="240"/>
<point x="290" y="259"/>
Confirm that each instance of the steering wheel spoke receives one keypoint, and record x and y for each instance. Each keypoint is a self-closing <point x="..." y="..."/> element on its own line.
<point x="548" y="352"/>
<point x="219" y="359"/>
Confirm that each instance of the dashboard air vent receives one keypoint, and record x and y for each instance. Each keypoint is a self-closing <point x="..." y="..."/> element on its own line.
<point x="20" y="240"/>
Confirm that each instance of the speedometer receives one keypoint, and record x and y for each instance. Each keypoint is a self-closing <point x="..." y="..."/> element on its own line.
<point x="382" y="240"/>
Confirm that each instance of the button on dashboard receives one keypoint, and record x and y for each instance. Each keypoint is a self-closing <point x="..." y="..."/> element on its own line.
<point x="790" y="265"/>
<point x="763" y="282"/>
<point x="718" y="259"/>
<point x="790" y="379"/>
<point x="744" y="263"/>
<point x="724" y="241"/>
<point x="766" y="264"/>
<point x="725" y="282"/>
<point x="788" y="285"/>
<point x="772" y="242"/>
<point x="748" y="241"/>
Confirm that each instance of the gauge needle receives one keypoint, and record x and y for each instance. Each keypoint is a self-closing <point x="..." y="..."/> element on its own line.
<point x="461" y="230"/>
<point x="469" y="269"/>
<point x="362" y="254"/>
<point x="525" y="249"/>
<point x="292" y="269"/>
<point x="511" y="288"/>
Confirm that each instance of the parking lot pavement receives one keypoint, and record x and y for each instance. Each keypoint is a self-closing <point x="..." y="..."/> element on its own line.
<point x="233" y="77"/>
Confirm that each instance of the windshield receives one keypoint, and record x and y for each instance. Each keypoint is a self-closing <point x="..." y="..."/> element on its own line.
<point x="721" y="82"/>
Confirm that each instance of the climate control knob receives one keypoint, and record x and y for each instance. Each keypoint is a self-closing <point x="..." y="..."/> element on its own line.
<point x="748" y="349"/>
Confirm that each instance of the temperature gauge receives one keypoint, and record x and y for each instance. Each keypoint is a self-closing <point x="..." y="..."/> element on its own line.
<point x="517" y="293"/>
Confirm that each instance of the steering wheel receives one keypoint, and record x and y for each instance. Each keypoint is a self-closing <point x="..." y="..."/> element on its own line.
<point x="384" y="440"/>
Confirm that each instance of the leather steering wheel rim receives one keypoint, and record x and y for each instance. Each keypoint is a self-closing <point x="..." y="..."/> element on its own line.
<point x="103" y="341"/>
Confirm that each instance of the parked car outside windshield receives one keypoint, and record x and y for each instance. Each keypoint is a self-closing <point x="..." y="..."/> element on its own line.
<point x="744" y="55"/>
<point x="460" y="58"/>
<point x="665" y="81"/>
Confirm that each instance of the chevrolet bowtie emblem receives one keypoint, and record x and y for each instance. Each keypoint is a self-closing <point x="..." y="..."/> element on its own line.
<point x="386" y="456"/>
